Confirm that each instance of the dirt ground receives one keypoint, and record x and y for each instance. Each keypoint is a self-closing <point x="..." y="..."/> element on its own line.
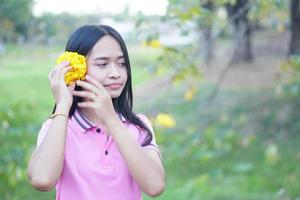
<point x="269" y="53"/>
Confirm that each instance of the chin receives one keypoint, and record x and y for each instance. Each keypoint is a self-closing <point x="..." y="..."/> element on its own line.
<point x="114" y="95"/>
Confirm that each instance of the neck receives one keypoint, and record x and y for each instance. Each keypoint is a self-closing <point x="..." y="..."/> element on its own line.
<point x="90" y="115"/>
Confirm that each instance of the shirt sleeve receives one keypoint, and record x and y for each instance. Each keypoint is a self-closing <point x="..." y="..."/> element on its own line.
<point x="152" y="144"/>
<point x="43" y="132"/>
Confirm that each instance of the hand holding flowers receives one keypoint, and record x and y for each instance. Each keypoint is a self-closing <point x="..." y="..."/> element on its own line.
<point x="61" y="92"/>
<point x="70" y="67"/>
<point x="70" y="71"/>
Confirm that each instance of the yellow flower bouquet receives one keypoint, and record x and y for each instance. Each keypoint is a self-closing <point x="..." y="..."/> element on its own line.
<point x="78" y="64"/>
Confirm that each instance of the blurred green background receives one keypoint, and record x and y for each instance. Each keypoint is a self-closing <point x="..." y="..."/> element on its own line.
<point x="219" y="79"/>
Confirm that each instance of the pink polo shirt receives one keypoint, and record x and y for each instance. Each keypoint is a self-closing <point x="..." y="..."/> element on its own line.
<point x="93" y="166"/>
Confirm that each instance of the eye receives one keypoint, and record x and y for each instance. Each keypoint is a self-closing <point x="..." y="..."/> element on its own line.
<point x="102" y="65"/>
<point x="122" y="64"/>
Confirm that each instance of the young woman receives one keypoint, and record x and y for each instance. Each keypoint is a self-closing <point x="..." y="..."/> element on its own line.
<point x="94" y="147"/>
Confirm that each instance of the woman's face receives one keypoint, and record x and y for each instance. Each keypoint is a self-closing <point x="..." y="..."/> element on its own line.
<point x="106" y="63"/>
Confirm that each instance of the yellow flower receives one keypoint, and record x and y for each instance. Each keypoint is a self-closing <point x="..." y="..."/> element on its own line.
<point x="155" y="44"/>
<point x="152" y="43"/>
<point x="78" y="64"/>
<point x="189" y="94"/>
<point x="165" y="120"/>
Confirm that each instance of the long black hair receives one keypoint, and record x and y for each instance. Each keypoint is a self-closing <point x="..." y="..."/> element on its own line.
<point x="82" y="41"/>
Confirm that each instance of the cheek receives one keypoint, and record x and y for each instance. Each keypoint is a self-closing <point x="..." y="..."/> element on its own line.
<point x="96" y="73"/>
<point x="124" y="74"/>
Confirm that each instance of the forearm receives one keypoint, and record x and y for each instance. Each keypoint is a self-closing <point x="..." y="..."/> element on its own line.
<point x="147" y="172"/>
<point x="46" y="163"/>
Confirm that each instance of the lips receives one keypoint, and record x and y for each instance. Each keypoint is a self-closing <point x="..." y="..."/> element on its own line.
<point x="114" y="86"/>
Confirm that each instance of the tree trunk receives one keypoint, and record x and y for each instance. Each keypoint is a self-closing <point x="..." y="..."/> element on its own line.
<point x="295" y="27"/>
<point x="2" y="47"/>
<point x="207" y="34"/>
<point x="238" y="14"/>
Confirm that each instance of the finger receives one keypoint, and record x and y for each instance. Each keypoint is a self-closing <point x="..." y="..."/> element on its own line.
<point x="71" y="87"/>
<point x="53" y="75"/>
<point x="66" y="69"/>
<point x="50" y="75"/>
<point x="88" y="86"/>
<point x="55" y="71"/>
<point x="63" y="64"/>
<point x="85" y="94"/>
<point x="86" y="104"/>
<point x="94" y="82"/>
<point x="52" y="72"/>
<point x="61" y="73"/>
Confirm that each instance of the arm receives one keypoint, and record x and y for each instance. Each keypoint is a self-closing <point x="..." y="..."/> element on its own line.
<point x="144" y="164"/>
<point x="46" y="162"/>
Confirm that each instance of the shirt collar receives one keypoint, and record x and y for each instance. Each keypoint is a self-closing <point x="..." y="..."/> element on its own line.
<point x="85" y="124"/>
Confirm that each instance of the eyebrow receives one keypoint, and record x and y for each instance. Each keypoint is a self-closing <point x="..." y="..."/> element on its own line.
<point x="107" y="58"/>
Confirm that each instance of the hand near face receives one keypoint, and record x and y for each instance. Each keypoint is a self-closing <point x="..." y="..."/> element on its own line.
<point x="61" y="92"/>
<point x="95" y="97"/>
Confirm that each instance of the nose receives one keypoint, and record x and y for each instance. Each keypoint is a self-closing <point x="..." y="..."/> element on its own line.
<point x="114" y="71"/>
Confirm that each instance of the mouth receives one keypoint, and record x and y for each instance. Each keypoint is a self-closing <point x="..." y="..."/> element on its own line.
<point x="113" y="86"/>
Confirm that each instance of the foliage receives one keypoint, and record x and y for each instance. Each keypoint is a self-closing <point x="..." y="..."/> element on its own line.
<point x="289" y="84"/>
<point x="15" y="18"/>
<point x="227" y="149"/>
<point x="207" y="22"/>
<point x="53" y="29"/>
<point x="271" y="14"/>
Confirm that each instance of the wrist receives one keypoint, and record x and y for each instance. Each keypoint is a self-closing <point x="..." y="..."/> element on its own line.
<point x="111" y="121"/>
<point x="59" y="114"/>
<point x="63" y="108"/>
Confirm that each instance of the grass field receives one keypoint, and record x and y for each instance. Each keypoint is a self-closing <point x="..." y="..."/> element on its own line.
<point x="242" y="146"/>
<point x="229" y="149"/>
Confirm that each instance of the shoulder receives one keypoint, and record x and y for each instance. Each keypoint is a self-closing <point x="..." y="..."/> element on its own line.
<point x="144" y="119"/>
<point x="141" y="116"/>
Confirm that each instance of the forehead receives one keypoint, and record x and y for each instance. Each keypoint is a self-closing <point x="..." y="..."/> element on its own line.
<point x="107" y="46"/>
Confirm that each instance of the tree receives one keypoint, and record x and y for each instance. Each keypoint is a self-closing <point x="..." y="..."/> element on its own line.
<point x="15" y="16"/>
<point x="55" y="28"/>
<point x="205" y="26"/>
<point x="238" y="15"/>
<point x="295" y="27"/>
